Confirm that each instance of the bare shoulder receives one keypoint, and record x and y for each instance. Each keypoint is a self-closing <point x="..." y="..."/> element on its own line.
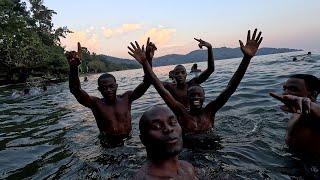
<point x="167" y="84"/>
<point x="187" y="166"/>
<point x="127" y="94"/>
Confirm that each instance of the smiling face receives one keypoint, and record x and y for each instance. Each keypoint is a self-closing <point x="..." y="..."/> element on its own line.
<point x="160" y="132"/>
<point x="108" y="88"/>
<point x="180" y="74"/>
<point x="196" y="97"/>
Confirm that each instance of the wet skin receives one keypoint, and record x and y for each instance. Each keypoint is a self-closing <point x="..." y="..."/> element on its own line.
<point x="161" y="133"/>
<point x="303" y="131"/>
<point x="199" y="119"/>
<point x="112" y="112"/>
<point x="179" y="89"/>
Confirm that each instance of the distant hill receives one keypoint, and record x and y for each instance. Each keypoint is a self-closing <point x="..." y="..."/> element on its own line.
<point x="200" y="56"/>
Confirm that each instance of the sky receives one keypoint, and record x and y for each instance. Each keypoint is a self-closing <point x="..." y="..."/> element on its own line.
<point x="108" y="26"/>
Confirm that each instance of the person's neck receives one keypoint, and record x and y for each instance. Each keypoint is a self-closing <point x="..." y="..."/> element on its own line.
<point x="181" y="85"/>
<point x="110" y="101"/>
<point x="165" y="167"/>
<point x="195" y="111"/>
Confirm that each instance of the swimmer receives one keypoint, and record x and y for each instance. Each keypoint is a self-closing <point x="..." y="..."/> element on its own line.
<point x="299" y="97"/>
<point x="198" y="119"/>
<point x="172" y="77"/>
<point x="112" y="112"/>
<point x="194" y="68"/>
<point x="161" y="134"/>
<point x="179" y="90"/>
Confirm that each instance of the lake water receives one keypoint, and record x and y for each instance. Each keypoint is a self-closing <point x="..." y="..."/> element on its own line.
<point x="52" y="136"/>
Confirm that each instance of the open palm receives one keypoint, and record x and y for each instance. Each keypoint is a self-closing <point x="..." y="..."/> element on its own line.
<point x="252" y="44"/>
<point x="138" y="53"/>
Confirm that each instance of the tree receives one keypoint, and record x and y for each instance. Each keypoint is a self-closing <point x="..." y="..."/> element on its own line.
<point x="97" y="66"/>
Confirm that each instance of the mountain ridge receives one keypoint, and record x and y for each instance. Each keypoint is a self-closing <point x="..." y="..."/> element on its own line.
<point x="200" y="56"/>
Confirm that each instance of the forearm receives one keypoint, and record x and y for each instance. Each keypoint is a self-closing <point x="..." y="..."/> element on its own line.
<point x="74" y="81"/>
<point x="238" y="75"/>
<point x="166" y="96"/>
<point x="141" y="89"/>
<point x="210" y="59"/>
<point x="210" y="69"/>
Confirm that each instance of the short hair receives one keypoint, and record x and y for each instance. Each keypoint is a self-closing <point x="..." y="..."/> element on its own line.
<point x="195" y="85"/>
<point x="312" y="82"/>
<point x="179" y="65"/>
<point x="104" y="76"/>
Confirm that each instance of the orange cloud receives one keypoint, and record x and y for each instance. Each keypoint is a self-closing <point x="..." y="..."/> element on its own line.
<point x="87" y="40"/>
<point x="125" y="28"/>
<point x="159" y="35"/>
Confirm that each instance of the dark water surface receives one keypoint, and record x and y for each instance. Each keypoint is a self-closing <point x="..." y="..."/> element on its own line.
<point x="52" y="136"/>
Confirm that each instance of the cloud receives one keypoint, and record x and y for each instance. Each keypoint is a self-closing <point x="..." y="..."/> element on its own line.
<point x="123" y="29"/>
<point x="159" y="35"/>
<point x="87" y="40"/>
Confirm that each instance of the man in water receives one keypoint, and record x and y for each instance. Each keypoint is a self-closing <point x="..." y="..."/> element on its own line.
<point x="299" y="97"/>
<point x="194" y="68"/>
<point x="112" y="112"/>
<point x="179" y="90"/>
<point x="198" y="119"/>
<point x="171" y="77"/>
<point x="161" y="134"/>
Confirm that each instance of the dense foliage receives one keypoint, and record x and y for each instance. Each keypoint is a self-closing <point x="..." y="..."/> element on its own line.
<point x="30" y="45"/>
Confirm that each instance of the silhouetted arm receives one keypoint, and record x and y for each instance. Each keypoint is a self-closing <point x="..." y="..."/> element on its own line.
<point x="143" y="87"/>
<point x="299" y="105"/>
<point x="210" y="69"/>
<point x="74" y="60"/>
<point x="249" y="50"/>
<point x="138" y="54"/>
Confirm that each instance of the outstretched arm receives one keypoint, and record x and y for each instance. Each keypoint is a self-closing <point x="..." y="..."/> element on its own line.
<point x="249" y="50"/>
<point x="298" y="105"/>
<point x="143" y="87"/>
<point x="74" y="60"/>
<point x="210" y="69"/>
<point x="139" y="55"/>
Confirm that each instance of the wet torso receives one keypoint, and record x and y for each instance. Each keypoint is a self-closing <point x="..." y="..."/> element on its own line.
<point x="303" y="136"/>
<point x="113" y="119"/>
<point x="186" y="172"/>
<point x="180" y="94"/>
<point x="195" y="123"/>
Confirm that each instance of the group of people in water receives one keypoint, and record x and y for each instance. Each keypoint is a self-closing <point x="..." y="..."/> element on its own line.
<point x="164" y="128"/>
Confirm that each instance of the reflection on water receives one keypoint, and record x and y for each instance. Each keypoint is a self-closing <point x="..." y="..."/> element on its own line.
<point x="50" y="135"/>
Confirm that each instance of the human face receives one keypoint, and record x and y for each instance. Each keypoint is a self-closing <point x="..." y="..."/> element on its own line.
<point x="164" y="134"/>
<point x="108" y="88"/>
<point x="196" y="97"/>
<point x="296" y="87"/>
<point x="180" y="74"/>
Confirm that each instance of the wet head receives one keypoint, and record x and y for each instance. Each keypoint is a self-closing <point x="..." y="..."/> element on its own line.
<point x="171" y="74"/>
<point x="107" y="86"/>
<point x="180" y="74"/>
<point x="196" y="96"/>
<point x="302" y="85"/>
<point x="26" y="91"/>
<point x="160" y="132"/>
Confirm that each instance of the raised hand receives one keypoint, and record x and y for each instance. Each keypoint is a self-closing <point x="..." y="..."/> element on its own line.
<point x="203" y="43"/>
<point x="74" y="58"/>
<point x="150" y="48"/>
<point x="138" y="53"/>
<point x="294" y="104"/>
<point x="252" y="44"/>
